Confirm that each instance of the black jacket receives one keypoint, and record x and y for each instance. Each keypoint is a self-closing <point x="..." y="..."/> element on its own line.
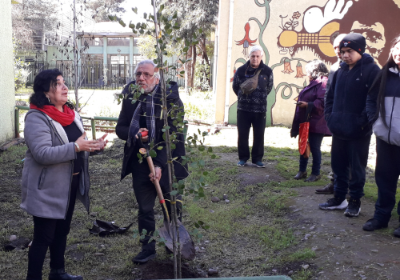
<point x="255" y="102"/>
<point x="345" y="107"/>
<point x="122" y="130"/>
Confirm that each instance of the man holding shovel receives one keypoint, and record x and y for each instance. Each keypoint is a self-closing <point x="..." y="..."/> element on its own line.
<point x="143" y="117"/>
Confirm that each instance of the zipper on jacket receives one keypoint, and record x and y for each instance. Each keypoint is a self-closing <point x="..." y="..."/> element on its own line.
<point x="391" y="117"/>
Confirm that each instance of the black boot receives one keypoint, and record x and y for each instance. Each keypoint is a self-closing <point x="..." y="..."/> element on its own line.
<point x="60" y="274"/>
<point x="300" y="175"/>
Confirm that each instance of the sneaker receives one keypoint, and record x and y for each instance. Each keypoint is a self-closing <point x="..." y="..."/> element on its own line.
<point x="259" y="164"/>
<point x="373" y="224"/>
<point x="354" y="208"/>
<point x="333" y="204"/>
<point x="241" y="163"/>
<point x="396" y="232"/>
<point x="144" y="256"/>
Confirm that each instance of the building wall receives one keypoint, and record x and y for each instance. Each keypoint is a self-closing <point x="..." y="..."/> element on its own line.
<point x="292" y="33"/>
<point x="7" y="94"/>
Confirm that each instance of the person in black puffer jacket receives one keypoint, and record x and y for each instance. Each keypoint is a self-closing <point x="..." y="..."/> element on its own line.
<point x="346" y="117"/>
<point x="384" y="107"/>
<point x="252" y="107"/>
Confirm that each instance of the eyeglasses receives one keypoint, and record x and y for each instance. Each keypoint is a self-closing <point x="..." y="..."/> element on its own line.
<point x="145" y="75"/>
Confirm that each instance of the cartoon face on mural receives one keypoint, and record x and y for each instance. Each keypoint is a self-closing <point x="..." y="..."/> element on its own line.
<point x="322" y="24"/>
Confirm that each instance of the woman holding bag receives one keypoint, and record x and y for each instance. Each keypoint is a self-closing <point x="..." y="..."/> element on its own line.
<point x="310" y="108"/>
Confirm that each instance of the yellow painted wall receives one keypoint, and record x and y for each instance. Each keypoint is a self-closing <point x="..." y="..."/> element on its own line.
<point x="314" y="18"/>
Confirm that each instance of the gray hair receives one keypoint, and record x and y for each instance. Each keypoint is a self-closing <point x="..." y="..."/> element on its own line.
<point x="147" y="61"/>
<point x="316" y="69"/>
<point x="256" y="48"/>
<point x="337" y="40"/>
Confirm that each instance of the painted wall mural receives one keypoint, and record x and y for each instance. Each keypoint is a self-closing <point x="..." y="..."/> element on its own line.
<point x="306" y="33"/>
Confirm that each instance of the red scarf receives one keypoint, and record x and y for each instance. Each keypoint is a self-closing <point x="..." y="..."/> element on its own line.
<point x="64" y="118"/>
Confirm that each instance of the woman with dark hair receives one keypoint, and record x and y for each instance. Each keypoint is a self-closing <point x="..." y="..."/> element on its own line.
<point x="383" y="108"/>
<point x="310" y="107"/>
<point x="55" y="171"/>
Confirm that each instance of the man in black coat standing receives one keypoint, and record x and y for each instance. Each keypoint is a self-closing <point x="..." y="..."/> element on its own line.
<point x="345" y="114"/>
<point x="137" y="117"/>
<point x="252" y="106"/>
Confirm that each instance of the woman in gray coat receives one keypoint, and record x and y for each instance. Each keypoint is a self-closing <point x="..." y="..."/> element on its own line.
<point x="55" y="172"/>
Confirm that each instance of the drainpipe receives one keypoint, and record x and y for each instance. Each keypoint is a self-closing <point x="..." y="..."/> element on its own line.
<point x="228" y="64"/>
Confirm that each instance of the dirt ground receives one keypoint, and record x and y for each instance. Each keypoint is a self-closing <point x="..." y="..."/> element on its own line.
<point x="270" y="225"/>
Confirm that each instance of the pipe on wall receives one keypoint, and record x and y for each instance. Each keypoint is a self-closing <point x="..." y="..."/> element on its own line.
<point x="229" y="61"/>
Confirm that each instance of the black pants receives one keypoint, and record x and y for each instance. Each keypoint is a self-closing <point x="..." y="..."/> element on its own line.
<point x="386" y="176"/>
<point x="146" y="194"/>
<point x="244" y="121"/>
<point x="315" y="140"/>
<point x="350" y="156"/>
<point x="50" y="233"/>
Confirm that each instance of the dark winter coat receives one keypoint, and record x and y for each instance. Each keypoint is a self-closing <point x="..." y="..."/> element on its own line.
<point x="390" y="133"/>
<point x="48" y="167"/>
<point x="313" y="94"/>
<point x="345" y="108"/>
<point x="122" y="130"/>
<point x="255" y="102"/>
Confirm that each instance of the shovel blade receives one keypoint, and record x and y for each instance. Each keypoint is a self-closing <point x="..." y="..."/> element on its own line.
<point x="186" y="242"/>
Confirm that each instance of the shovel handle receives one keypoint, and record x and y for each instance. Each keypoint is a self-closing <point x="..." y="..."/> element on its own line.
<point x="156" y="182"/>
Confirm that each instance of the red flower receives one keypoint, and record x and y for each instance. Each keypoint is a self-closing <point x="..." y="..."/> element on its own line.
<point x="246" y="41"/>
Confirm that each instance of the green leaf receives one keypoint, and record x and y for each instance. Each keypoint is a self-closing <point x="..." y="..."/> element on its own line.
<point x="145" y="15"/>
<point x="134" y="10"/>
<point x="213" y="156"/>
<point x="173" y="193"/>
<point x="205" y="173"/>
<point x="153" y="153"/>
<point x="209" y="149"/>
<point x="201" y="148"/>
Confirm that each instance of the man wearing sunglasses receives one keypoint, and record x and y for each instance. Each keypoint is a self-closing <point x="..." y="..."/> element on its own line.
<point x="137" y="117"/>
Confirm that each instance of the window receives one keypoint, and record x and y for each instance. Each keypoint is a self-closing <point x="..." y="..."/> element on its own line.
<point x="118" y="41"/>
<point x="93" y="41"/>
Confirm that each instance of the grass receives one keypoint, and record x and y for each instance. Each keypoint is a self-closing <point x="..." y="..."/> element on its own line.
<point x="248" y="236"/>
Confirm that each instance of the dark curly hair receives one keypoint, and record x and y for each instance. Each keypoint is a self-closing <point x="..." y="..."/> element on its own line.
<point x="44" y="82"/>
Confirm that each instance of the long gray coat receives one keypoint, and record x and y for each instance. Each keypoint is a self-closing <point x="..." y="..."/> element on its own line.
<point x="48" y="167"/>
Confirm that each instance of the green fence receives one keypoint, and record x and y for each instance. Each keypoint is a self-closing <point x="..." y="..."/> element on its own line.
<point x="93" y="124"/>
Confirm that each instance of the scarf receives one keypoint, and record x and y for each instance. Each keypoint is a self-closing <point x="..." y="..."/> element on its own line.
<point x="64" y="118"/>
<point x="148" y="100"/>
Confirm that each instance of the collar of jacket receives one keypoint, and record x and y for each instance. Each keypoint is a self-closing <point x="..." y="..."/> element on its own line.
<point x="394" y="70"/>
<point x="261" y="66"/>
<point x="365" y="59"/>
<point x="316" y="82"/>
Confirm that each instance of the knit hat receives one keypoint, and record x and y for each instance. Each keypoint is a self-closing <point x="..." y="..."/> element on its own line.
<point x="354" y="41"/>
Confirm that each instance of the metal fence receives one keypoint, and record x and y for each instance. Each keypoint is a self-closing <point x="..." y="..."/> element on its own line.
<point x="95" y="76"/>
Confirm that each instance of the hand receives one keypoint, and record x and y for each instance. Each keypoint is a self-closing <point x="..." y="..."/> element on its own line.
<point x="158" y="174"/>
<point x="102" y="143"/>
<point x="302" y="104"/>
<point x="87" y="145"/>
<point x="145" y="139"/>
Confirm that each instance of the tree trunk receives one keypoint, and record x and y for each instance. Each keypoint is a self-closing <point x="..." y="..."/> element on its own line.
<point x="204" y="50"/>
<point x="193" y="64"/>
<point x="188" y="72"/>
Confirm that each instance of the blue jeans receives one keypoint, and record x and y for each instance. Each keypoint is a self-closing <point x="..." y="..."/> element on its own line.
<point x="315" y="140"/>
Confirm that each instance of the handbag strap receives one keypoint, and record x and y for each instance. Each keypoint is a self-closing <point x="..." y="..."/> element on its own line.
<point x="308" y="111"/>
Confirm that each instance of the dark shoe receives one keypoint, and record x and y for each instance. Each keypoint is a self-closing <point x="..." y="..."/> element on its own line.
<point x="144" y="256"/>
<point x="259" y="164"/>
<point x="396" y="232"/>
<point x="373" y="224"/>
<point x="333" y="204"/>
<point x="300" y="175"/>
<point x="241" y="163"/>
<point x="354" y="208"/>
<point x="60" y="274"/>
<point x="328" y="189"/>
<point x="313" y="178"/>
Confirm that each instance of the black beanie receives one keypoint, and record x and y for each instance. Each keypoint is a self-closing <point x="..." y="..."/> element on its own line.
<point x="354" y="41"/>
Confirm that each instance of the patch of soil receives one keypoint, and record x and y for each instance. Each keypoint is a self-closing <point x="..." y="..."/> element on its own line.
<point x="161" y="270"/>
<point x="343" y="250"/>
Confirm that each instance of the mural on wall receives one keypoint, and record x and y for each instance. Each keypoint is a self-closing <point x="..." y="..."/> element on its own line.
<point x="320" y="26"/>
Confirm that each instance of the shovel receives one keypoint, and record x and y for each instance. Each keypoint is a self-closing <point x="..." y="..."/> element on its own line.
<point x="168" y="231"/>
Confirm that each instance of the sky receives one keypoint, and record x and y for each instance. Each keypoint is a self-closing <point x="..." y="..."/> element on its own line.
<point x="143" y="6"/>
